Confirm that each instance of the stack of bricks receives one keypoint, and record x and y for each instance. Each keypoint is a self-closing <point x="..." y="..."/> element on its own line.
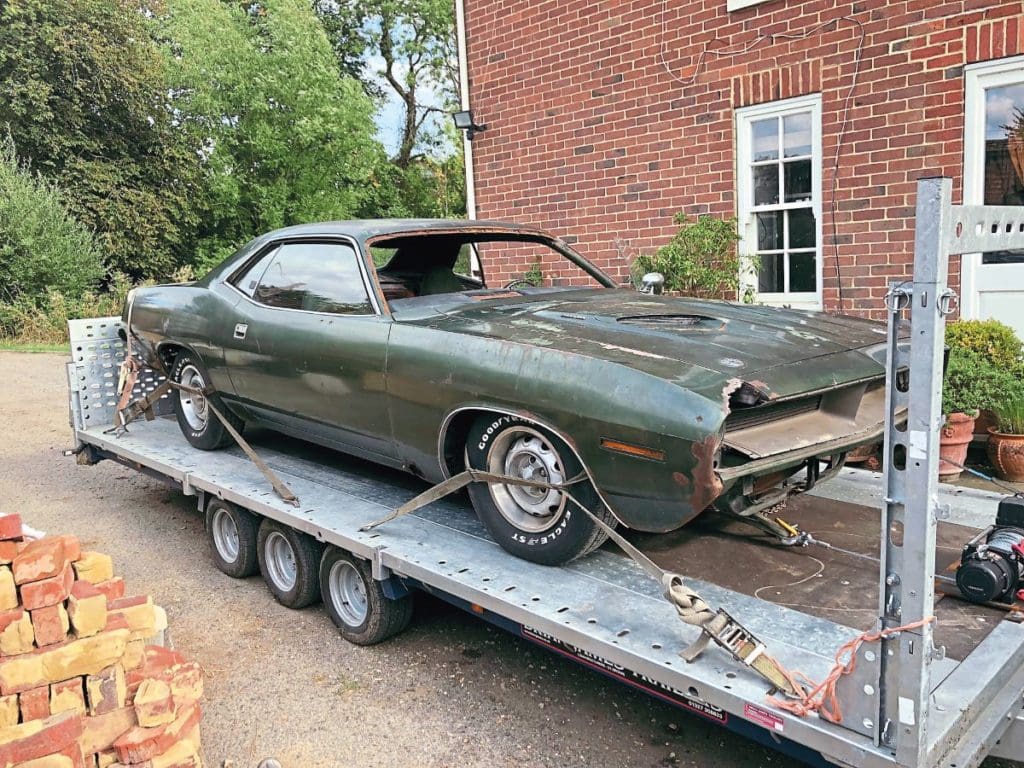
<point x="79" y="686"/>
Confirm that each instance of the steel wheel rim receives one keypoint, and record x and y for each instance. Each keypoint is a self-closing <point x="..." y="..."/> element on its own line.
<point x="193" y="407"/>
<point x="526" y="453"/>
<point x="281" y="565"/>
<point x="225" y="535"/>
<point x="348" y="593"/>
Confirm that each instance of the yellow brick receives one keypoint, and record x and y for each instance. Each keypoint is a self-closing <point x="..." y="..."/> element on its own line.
<point x="8" y="710"/>
<point x="50" y="761"/>
<point x="8" y="592"/>
<point x="94" y="567"/>
<point x="141" y="619"/>
<point x="22" y="672"/>
<point x="105" y="759"/>
<point x="85" y="656"/>
<point x="88" y="614"/>
<point x="15" y="732"/>
<point x="180" y="754"/>
<point x="134" y="654"/>
<point x="66" y="699"/>
<point x="17" y="637"/>
<point x="153" y="704"/>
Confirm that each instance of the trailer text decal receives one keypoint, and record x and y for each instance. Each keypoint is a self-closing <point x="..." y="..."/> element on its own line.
<point x="637" y="680"/>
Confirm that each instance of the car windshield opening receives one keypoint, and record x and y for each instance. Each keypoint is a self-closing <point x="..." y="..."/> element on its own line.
<point x="427" y="269"/>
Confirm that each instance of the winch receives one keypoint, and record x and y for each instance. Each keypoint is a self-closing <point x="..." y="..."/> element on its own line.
<point x="992" y="563"/>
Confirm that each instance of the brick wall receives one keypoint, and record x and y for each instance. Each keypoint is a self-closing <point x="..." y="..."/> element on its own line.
<point x="592" y="134"/>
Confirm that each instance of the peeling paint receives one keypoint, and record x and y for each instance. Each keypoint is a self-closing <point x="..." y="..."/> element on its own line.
<point x="680" y="479"/>
<point x="637" y="352"/>
<point x="707" y="485"/>
<point x="730" y="386"/>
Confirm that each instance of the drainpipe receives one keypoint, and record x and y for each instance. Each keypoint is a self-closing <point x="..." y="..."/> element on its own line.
<point x="467" y="145"/>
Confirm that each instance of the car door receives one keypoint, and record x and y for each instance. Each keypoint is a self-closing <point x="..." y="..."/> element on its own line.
<point x="308" y="348"/>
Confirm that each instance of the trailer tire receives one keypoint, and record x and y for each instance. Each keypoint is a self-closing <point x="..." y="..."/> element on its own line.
<point x="356" y="602"/>
<point x="232" y="533"/>
<point x="197" y="422"/>
<point x="289" y="562"/>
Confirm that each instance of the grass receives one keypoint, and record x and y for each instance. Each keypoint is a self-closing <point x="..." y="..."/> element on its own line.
<point x="7" y="345"/>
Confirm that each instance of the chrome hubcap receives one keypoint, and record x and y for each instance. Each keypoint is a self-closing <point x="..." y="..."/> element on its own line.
<point x="281" y="561"/>
<point x="193" y="407"/>
<point x="526" y="453"/>
<point x="348" y="593"/>
<point x="225" y="535"/>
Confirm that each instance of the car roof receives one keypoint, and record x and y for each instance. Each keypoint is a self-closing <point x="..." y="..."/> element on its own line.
<point x="366" y="229"/>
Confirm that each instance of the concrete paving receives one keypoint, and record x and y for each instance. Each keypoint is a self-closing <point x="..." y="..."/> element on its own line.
<point x="451" y="691"/>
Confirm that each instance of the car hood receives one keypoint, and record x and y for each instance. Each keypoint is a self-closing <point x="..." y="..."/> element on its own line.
<point x="699" y="344"/>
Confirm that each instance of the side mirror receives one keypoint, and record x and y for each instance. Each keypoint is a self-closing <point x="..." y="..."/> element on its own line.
<point x="652" y="282"/>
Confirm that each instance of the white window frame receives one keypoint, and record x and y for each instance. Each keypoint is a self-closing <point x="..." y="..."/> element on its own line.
<point x="977" y="79"/>
<point x="735" y="5"/>
<point x="745" y="197"/>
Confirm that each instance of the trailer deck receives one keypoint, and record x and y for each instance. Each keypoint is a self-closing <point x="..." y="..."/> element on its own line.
<point x="605" y="611"/>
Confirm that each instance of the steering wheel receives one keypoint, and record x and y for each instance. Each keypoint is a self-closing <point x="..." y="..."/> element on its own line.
<point x="518" y="282"/>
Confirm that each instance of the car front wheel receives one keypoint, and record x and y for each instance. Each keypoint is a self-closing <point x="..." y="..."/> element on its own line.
<point x="538" y="524"/>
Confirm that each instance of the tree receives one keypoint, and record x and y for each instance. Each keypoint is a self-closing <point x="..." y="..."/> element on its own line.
<point x="42" y="247"/>
<point x="284" y="137"/>
<point x="411" y="45"/>
<point x="82" y="91"/>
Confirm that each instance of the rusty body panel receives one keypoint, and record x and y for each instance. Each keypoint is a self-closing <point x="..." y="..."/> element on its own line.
<point x="712" y="396"/>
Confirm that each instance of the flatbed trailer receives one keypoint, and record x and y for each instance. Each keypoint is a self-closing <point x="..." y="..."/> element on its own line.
<point x="604" y="611"/>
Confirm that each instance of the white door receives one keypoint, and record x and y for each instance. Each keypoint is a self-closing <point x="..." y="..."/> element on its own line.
<point x="993" y="282"/>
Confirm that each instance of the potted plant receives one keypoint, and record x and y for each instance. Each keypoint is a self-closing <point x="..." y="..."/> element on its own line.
<point x="1006" y="439"/>
<point x="994" y="341"/>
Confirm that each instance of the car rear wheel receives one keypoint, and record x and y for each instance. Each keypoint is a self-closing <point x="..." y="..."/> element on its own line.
<point x="197" y="421"/>
<point x="537" y="524"/>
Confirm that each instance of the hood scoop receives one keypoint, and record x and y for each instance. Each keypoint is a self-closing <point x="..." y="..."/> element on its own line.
<point x="673" y="322"/>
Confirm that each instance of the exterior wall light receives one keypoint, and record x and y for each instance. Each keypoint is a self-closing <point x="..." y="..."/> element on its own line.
<point x="464" y="122"/>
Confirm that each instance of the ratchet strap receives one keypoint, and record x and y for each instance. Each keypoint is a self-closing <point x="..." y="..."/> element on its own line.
<point x="718" y="626"/>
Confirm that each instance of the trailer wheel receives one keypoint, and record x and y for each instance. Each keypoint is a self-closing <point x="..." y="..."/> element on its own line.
<point x="356" y="602"/>
<point x="288" y="562"/>
<point x="232" y="532"/>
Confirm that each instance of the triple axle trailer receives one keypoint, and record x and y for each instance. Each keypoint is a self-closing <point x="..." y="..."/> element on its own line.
<point x="946" y="692"/>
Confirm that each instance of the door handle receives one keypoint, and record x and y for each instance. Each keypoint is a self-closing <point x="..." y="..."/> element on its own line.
<point x="240" y="330"/>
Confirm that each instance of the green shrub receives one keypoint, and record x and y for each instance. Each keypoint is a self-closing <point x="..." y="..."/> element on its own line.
<point x="972" y="383"/>
<point x="991" y="339"/>
<point x="46" y="322"/>
<point x="42" y="248"/>
<point x="700" y="260"/>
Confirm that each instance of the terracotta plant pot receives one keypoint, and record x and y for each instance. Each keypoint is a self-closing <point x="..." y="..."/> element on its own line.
<point x="984" y="423"/>
<point x="1006" y="452"/>
<point x="954" y="438"/>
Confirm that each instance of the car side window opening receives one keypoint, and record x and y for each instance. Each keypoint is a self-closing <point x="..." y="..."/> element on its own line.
<point x="315" y="277"/>
<point x="249" y="278"/>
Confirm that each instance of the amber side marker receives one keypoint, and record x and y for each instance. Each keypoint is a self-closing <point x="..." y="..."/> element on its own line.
<point x="632" y="450"/>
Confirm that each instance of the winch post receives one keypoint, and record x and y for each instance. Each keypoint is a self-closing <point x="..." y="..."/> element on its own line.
<point x="907" y="566"/>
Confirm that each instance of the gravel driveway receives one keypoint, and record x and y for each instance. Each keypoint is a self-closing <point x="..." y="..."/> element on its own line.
<point x="451" y="691"/>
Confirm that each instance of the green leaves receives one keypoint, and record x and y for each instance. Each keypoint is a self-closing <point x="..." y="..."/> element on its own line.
<point x="284" y="137"/>
<point x="700" y="260"/>
<point x="41" y="246"/>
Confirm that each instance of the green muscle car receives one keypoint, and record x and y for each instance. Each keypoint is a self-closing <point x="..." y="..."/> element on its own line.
<point x="386" y="340"/>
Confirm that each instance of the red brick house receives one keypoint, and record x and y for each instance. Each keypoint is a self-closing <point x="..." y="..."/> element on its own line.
<point x="809" y="121"/>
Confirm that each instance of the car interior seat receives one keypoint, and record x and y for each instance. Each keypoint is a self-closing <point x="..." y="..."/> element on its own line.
<point x="440" y="279"/>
